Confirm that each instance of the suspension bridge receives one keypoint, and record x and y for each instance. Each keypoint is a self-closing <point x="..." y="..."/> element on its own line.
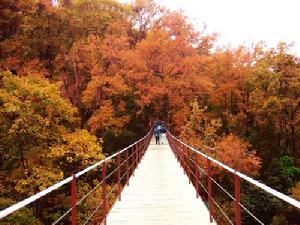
<point x="163" y="184"/>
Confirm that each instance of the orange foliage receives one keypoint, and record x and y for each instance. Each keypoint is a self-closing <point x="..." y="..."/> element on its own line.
<point x="234" y="152"/>
<point x="104" y="119"/>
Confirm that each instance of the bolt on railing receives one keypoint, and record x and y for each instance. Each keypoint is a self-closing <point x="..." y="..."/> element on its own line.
<point x="183" y="153"/>
<point x="133" y="156"/>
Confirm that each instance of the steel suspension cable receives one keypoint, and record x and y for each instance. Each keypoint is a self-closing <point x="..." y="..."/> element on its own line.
<point x="67" y="180"/>
<point x="203" y="171"/>
<point x="219" y="207"/>
<point x="86" y="195"/>
<point x="115" y="186"/>
<point x="243" y="176"/>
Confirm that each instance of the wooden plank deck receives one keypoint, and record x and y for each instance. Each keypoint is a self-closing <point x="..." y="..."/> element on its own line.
<point x="159" y="194"/>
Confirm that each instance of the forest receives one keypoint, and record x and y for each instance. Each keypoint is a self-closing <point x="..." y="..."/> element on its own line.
<point x="81" y="79"/>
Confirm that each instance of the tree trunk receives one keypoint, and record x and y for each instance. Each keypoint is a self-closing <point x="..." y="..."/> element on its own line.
<point x="293" y="145"/>
<point x="286" y="139"/>
<point x="22" y="159"/>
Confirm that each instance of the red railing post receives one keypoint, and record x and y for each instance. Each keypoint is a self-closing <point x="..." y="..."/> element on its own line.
<point x="137" y="154"/>
<point x="132" y="159"/>
<point x="209" y="183"/>
<point x="185" y="160"/>
<point x="176" y="149"/>
<point x="188" y="163"/>
<point x="173" y="149"/>
<point x="237" y="195"/>
<point x="177" y="154"/>
<point x="180" y="151"/>
<point x="104" y="192"/>
<point x="119" y="176"/>
<point x="142" y="149"/>
<point x="73" y="200"/>
<point x="127" y="168"/>
<point x="171" y="144"/>
<point x="197" y="175"/>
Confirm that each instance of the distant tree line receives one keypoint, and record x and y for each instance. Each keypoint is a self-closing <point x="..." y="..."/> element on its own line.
<point x="82" y="79"/>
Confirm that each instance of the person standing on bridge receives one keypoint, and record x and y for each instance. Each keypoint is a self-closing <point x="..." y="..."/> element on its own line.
<point x="157" y="134"/>
<point x="163" y="130"/>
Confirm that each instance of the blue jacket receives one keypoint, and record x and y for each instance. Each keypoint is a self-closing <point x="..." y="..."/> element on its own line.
<point x="156" y="132"/>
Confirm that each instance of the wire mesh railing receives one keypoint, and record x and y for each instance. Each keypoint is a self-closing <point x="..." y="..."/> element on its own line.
<point x="127" y="161"/>
<point x="198" y="167"/>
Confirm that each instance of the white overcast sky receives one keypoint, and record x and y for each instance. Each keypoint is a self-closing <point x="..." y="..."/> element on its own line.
<point x="244" y="21"/>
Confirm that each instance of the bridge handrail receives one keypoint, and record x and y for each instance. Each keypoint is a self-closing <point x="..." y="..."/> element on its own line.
<point x="67" y="180"/>
<point x="243" y="176"/>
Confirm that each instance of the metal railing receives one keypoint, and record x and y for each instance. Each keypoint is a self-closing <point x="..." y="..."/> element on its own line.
<point x="188" y="157"/>
<point x="132" y="156"/>
<point x="191" y="165"/>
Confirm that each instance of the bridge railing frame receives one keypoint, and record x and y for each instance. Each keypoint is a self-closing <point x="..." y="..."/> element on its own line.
<point x="134" y="151"/>
<point x="181" y="151"/>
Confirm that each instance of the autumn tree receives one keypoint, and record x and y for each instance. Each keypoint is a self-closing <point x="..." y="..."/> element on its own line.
<point x="162" y="77"/>
<point x="33" y="116"/>
<point x="87" y="77"/>
<point x="200" y="130"/>
<point x="36" y="122"/>
<point x="146" y="14"/>
<point x="275" y="83"/>
<point x="237" y="154"/>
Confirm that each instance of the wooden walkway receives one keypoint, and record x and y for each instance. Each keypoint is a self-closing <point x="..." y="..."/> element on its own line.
<point x="159" y="194"/>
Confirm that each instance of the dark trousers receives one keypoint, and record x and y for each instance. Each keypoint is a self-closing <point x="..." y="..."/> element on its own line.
<point x="157" y="139"/>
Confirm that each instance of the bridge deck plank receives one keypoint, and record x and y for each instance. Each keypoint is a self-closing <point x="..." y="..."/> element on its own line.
<point x="159" y="194"/>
